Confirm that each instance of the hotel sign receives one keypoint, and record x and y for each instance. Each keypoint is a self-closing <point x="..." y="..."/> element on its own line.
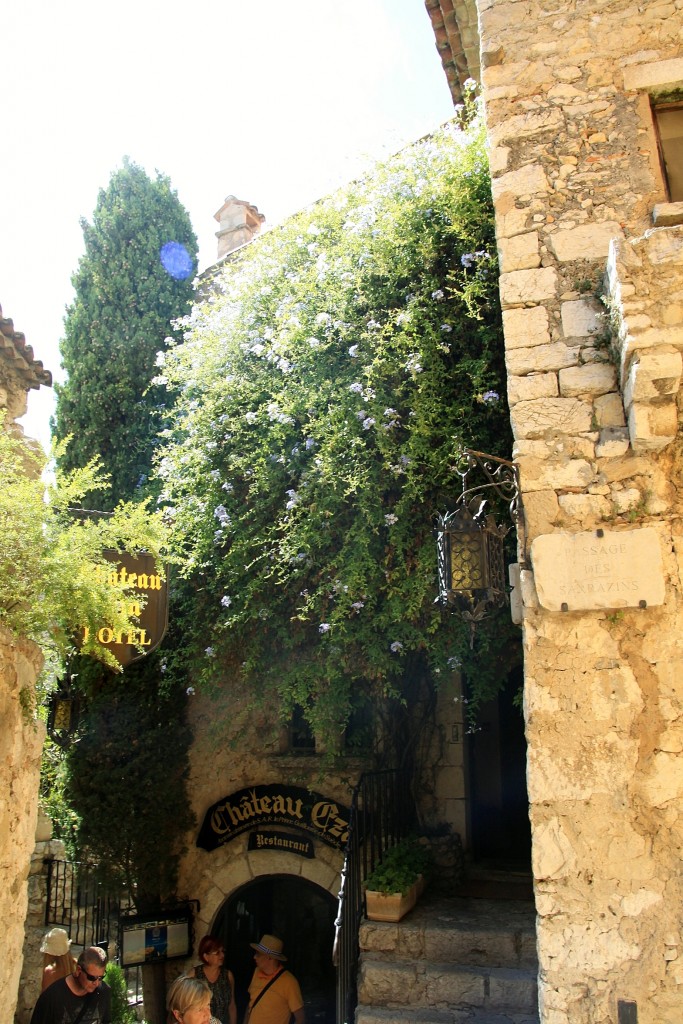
<point x="146" y="602"/>
<point x="291" y="806"/>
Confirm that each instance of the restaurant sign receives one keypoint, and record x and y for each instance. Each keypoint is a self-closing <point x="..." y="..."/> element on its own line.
<point x="146" y="603"/>
<point x="281" y="842"/>
<point x="291" y="806"/>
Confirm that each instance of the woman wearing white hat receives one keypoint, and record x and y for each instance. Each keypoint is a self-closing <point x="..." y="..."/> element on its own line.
<point x="57" y="960"/>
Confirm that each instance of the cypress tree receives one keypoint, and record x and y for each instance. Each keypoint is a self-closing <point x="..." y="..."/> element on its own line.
<point x="133" y="280"/>
<point x="127" y="770"/>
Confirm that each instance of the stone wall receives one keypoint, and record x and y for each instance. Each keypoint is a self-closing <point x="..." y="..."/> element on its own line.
<point x="592" y="295"/>
<point x="46" y="848"/>
<point x="21" y="740"/>
<point x="226" y="757"/>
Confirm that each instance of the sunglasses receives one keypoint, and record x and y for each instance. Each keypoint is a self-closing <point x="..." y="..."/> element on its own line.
<point x="91" y="977"/>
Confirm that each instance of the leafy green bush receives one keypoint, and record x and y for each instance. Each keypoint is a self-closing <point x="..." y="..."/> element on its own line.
<point x="54" y="578"/>
<point x="401" y="866"/>
<point x="121" y="1012"/>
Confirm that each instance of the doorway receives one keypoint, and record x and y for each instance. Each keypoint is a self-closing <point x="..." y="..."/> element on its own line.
<point x="302" y="915"/>
<point x="499" y="803"/>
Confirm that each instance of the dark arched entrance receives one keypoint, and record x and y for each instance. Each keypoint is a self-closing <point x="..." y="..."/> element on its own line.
<point x="302" y="915"/>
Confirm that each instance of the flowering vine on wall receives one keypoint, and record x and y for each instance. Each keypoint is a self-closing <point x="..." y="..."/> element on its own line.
<point x="323" y="391"/>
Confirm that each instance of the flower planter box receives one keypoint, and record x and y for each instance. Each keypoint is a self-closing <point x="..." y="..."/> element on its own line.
<point x="392" y="906"/>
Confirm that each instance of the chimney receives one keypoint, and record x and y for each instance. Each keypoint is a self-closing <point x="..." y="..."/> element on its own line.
<point x="239" y="222"/>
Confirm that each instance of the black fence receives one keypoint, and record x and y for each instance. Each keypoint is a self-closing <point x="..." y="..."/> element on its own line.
<point x="77" y="901"/>
<point x="382" y="813"/>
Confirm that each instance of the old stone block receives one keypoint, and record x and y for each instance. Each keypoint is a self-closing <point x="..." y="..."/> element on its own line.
<point x="626" y="499"/>
<point x="526" y="328"/>
<point x="613" y="444"/>
<point x="619" y="569"/>
<point x="652" y="427"/>
<point x="509" y="987"/>
<point x="498" y="160"/>
<point x="555" y="474"/>
<point x="585" y="242"/>
<point x="552" y="855"/>
<point x="660" y="74"/>
<point x="582" y="317"/>
<point x="589" y="379"/>
<point x="625" y="468"/>
<point x="536" y="385"/>
<point x="519" y="252"/>
<point x="584" y="507"/>
<point x="542" y="358"/>
<point x="652" y="375"/>
<point x="526" y="181"/>
<point x="526" y="125"/>
<point x="609" y="410"/>
<point x="667" y="214"/>
<point x="455" y="986"/>
<point x="541" y="507"/>
<point x="551" y="415"/>
<point x="511" y="222"/>
<point x="528" y="287"/>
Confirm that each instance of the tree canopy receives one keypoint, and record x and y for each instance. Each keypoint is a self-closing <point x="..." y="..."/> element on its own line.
<point x="134" y="278"/>
<point x="327" y="384"/>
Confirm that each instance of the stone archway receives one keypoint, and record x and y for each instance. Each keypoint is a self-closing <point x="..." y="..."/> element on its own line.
<point x="302" y="914"/>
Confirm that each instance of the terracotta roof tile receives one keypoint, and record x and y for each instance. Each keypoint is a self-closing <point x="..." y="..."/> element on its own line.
<point x="14" y="350"/>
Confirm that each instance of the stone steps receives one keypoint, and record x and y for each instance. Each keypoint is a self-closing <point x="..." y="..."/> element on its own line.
<point x="376" y="1015"/>
<point x="450" y="961"/>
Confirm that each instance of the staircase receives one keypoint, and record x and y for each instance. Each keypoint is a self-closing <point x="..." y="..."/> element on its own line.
<point x="454" y="960"/>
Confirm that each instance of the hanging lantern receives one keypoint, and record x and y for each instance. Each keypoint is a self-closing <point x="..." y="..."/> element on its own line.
<point x="63" y="713"/>
<point x="470" y="557"/>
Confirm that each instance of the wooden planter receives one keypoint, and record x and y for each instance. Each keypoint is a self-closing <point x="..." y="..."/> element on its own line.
<point x="393" y="906"/>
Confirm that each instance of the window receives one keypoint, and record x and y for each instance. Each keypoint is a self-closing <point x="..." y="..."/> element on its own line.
<point x="301" y="738"/>
<point x="668" y="118"/>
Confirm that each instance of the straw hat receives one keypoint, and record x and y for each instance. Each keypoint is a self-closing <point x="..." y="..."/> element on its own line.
<point x="271" y="946"/>
<point x="56" y="942"/>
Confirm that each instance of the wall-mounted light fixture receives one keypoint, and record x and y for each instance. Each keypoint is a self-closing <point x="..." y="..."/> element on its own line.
<point x="471" y="563"/>
<point x="63" y="711"/>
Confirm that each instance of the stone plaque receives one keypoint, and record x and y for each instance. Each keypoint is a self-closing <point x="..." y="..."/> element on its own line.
<point x="601" y="569"/>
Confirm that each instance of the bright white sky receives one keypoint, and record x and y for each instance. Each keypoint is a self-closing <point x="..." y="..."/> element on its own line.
<point x="274" y="101"/>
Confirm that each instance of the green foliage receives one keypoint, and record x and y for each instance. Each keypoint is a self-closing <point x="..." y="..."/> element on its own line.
<point x="326" y="389"/>
<point x="123" y="780"/>
<point x="53" y="783"/>
<point x="53" y="576"/>
<point x="118" y="322"/>
<point x="126" y="777"/>
<point x="121" y="1012"/>
<point x="401" y="866"/>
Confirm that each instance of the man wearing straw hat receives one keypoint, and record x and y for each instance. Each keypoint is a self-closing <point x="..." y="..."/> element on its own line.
<point x="274" y="993"/>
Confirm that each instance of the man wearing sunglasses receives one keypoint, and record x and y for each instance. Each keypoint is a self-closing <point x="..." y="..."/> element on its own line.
<point x="81" y="997"/>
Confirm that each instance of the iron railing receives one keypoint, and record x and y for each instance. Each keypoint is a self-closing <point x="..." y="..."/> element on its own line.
<point x="76" y="901"/>
<point x="382" y="813"/>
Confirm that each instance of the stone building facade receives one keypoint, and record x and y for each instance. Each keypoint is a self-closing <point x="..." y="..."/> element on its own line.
<point x="591" y="255"/>
<point x="21" y="737"/>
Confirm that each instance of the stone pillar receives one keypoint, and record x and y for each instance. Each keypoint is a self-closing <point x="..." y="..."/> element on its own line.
<point x="594" y="375"/>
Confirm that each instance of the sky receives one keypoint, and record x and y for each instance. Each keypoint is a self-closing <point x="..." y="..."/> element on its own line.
<point x="276" y="102"/>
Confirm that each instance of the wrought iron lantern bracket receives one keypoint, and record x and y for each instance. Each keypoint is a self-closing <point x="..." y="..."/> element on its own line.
<point x="471" y="564"/>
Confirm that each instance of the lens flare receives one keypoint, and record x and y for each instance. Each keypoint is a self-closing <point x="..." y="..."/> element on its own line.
<point x="176" y="260"/>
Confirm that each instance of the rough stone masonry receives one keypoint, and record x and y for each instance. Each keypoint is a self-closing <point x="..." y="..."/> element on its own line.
<point x="592" y="288"/>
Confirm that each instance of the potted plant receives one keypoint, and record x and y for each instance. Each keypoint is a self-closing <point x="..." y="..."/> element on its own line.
<point x="392" y="888"/>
